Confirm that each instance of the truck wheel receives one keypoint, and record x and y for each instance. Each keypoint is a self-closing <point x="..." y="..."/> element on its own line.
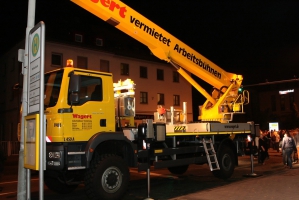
<point x="107" y="178"/>
<point x="178" y="169"/>
<point x="55" y="182"/>
<point x="226" y="163"/>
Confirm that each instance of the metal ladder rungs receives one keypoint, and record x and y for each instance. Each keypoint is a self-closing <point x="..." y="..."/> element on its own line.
<point x="210" y="153"/>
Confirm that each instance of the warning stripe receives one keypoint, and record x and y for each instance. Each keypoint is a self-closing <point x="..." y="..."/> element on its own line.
<point x="48" y="139"/>
<point x="179" y="128"/>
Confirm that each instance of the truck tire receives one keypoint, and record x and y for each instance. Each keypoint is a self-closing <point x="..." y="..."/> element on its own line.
<point x="178" y="170"/>
<point x="226" y="163"/>
<point x="55" y="182"/>
<point x="107" y="178"/>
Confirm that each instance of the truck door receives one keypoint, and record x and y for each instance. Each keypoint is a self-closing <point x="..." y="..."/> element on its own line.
<point x="94" y="110"/>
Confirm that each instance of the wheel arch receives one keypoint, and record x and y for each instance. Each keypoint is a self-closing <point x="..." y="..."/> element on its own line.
<point x="113" y="143"/>
<point x="228" y="143"/>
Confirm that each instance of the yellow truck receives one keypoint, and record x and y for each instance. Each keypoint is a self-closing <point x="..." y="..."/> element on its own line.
<point x="84" y="109"/>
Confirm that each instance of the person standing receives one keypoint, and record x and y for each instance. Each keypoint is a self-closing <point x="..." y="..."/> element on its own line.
<point x="267" y="140"/>
<point x="288" y="145"/>
<point x="262" y="149"/>
<point x="296" y="139"/>
<point x="277" y="139"/>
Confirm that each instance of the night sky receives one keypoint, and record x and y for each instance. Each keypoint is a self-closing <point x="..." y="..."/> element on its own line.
<point x="258" y="40"/>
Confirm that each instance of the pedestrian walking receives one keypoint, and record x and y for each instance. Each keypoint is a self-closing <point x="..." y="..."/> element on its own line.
<point x="296" y="139"/>
<point x="288" y="146"/>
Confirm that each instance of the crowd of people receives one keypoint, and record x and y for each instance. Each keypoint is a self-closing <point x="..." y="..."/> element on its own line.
<point x="284" y="141"/>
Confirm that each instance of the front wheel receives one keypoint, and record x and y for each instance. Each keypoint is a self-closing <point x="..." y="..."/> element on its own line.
<point x="226" y="163"/>
<point x="107" y="177"/>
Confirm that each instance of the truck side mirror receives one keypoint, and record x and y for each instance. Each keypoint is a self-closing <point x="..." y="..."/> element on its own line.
<point x="74" y="88"/>
<point x="75" y="81"/>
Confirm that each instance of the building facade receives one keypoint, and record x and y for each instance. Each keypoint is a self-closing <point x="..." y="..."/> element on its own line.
<point x="275" y="101"/>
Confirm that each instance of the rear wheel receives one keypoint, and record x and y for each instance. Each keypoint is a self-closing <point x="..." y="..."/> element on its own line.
<point x="226" y="163"/>
<point x="107" y="177"/>
<point x="178" y="170"/>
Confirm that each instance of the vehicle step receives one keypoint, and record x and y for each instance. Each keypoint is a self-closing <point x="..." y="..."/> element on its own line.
<point x="76" y="168"/>
<point x="76" y="153"/>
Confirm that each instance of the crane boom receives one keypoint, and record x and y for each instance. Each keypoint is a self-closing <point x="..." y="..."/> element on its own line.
<point x="167" y="47"/>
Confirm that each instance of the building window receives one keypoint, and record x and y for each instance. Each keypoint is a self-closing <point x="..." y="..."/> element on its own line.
<point x="176" y="100"/>
<point x="78" y="38"/>
<point x="143" y="98"/>
<point x="56" y="59"/>
<point x="160" y="74"/>
<point x="124" y="69"/>
<point x="99" y="42"/>
<point x="82" y="62"/>
<point x="273" y="103"/>
<point x="176" y="77"/>
<point x="160" y="99"/>
<point x="104" y="65"/>
<point x="282" y="103"/>
<point x="143" y="72"/>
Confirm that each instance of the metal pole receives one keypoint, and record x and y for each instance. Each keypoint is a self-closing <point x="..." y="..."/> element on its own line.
<point x="148" y="171"/>
<point x="252" y="174"/>
<point x="42" y="139"/>
<point x="21" y="169"/>
<point x="185" y="113"/>
<point x="28" y="189"/>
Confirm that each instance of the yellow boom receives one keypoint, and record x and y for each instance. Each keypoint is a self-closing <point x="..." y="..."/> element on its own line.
<point x="166" y="47"/>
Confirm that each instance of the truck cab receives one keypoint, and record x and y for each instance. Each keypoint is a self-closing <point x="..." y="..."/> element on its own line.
<point x="80" y="108"/>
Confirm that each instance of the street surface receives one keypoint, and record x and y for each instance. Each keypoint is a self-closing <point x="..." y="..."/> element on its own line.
<point x="198" y="183"/>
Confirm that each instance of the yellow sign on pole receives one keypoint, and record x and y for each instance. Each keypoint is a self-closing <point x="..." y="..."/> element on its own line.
<point x="31" y="142"/>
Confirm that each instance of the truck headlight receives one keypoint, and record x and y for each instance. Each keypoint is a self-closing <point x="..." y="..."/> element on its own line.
<point x="54" y="154"/>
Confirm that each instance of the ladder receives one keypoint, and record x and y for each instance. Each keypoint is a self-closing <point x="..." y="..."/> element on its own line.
<point x="211" y="154"/>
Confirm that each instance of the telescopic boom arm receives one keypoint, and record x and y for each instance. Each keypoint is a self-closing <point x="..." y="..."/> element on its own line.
<point x="167" y="47"/>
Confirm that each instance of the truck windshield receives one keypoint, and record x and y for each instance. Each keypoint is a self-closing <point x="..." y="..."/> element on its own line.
<point x="52" y="88"/>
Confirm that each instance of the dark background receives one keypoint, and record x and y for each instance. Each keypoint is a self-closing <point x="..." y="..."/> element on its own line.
<point x="256" y="39"/>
